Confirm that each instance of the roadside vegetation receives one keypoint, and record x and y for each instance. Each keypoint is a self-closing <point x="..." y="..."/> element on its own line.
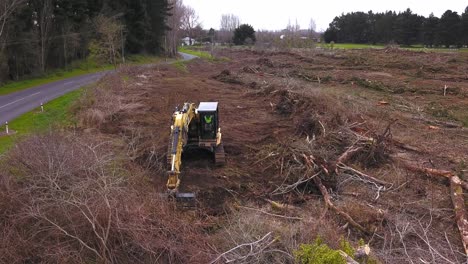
<point x="196" y="51"/>
<point x="51" y="41"/>
<point x="57" y="115"/>
<point x="76" y="69"/>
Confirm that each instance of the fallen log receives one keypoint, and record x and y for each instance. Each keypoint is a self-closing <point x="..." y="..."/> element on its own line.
<point x="439" y="123"/>
<point x="432" y="172"/>
<point x="419" y="169"/>
<point x="456" y="192"/>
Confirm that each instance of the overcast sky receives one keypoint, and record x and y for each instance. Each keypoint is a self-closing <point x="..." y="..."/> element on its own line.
<point x="274" y="14"/>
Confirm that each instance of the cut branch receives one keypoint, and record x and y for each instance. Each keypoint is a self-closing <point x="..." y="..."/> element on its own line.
<point x="361" y="174"/>
<point x="255" y="248"/>
<point x="349" y="260"/>
<point x="328" y="202"/>
<point x="270" y="214"/>
<point x="431" y="172"/>
<point x="458" y="201"/>
<point x="348" y="154"/>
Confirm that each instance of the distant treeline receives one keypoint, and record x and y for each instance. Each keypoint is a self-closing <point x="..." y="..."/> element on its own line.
<point x="46" y="34"/>
<point x="404" y="28"/>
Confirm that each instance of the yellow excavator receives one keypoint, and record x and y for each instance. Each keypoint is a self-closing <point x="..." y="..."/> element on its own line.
<point x="192" y="127"/>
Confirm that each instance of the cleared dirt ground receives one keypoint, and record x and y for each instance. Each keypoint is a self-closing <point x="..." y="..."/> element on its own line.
<point x="278" y="107"/>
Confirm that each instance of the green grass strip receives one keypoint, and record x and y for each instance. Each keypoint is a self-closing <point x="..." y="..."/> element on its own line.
<point x="56" y="113"/>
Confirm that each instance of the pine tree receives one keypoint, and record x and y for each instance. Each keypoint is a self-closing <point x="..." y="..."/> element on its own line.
<point x="464" y="27"/>
<point x="244" y="34"/>
<point x="449" y="29"/>
<point x="430" y="26"/>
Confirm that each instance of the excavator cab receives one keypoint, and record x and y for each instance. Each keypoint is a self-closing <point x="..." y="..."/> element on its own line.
<point x="208" y="112"/>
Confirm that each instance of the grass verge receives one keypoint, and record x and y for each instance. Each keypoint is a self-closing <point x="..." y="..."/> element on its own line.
<point x="196" y="52"/>
<point x="56" y="112"/>
<point x="181" y="66"/>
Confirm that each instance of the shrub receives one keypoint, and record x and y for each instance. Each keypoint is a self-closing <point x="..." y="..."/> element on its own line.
<point x="71" y="199"/>
<point x="318" y="253"/>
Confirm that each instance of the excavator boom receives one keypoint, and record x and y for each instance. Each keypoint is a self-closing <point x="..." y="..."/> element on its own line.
<point x="179" y="137"/>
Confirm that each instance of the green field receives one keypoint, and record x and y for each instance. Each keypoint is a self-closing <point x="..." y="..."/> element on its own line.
<point x="56" y="113"/>
<point x="352" y="46"/>
<point x="77" y="69"/>
<point x="381" y="46"/>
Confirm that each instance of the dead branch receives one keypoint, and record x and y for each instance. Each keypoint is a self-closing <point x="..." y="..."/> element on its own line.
<point x="456" y="191"/>
<point x="283" y="189"/>
<point x="349" y="260"/>
<point x="36" y="214"/>
<point x="280" y="206"/>
<point x="357" y="175"/>
<point x="362" y="252"/>
<point x="361" y="174"/>
<point x="255" y="248"/>
<point x="439" y="123"/>
<point x="329" y="204"/>
<point x="327" y="198"/>
<point x="270" y="214"/>
<point x="458" y="201"/>
<point x="406" y="146"/>
<point x="429" y="171"/>
<point x="433" y="172"/>
<point x="348" y="154"/>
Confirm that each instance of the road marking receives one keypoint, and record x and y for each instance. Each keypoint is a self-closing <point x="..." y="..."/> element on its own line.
<point x="14" y="102"/>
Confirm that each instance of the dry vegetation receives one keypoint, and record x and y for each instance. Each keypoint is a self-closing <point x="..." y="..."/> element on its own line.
<point x="342" y="145"/>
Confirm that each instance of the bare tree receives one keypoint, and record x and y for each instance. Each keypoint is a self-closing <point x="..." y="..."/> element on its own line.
<point x="7" y="7"/>
<point x="292" y="30"/>
<point x="190" y="21"/>
<point x="175" y="24"/>
<point x="229" y="23"/>
<point x="45" y="26"/>
<point x="312" y="28"/>
<point x="108" y="43"/>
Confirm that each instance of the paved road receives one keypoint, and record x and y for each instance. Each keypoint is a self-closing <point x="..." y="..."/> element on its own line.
<point x="18" y="103"/>
<point x="186" y="56"/>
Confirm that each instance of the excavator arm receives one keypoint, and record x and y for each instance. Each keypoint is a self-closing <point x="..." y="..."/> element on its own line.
<point x="179" y="136"/>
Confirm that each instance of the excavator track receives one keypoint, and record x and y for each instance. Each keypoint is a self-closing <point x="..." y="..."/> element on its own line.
<point x="220" y="156"/>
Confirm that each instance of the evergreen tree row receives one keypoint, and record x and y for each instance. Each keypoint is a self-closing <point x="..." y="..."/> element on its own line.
<point x="405" y="28"/>
<point x="47" y="34"/>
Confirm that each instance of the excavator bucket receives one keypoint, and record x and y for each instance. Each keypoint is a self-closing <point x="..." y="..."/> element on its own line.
<point x="186" y="200"/>
<point x="182" y="200"/>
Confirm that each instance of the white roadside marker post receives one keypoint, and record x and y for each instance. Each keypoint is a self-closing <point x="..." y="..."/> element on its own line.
<point x="42" y="107"/>
<point x="6" y="126"/>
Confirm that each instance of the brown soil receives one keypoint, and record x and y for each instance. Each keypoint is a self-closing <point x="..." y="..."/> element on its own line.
<point x="283" y="98"/>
